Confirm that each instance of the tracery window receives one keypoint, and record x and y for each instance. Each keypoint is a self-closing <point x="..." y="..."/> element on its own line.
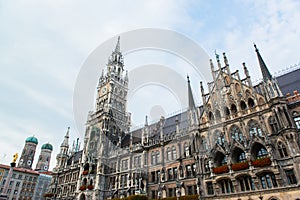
<point x="254" y="129"/>
<point x="236" y="134"/>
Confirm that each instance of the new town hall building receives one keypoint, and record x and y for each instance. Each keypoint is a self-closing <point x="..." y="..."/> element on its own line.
<point x="242" y="143"/>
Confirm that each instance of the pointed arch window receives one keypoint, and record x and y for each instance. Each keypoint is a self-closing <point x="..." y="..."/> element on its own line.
<point x="233" y="108"/>
<point x="243" y="105"/>
<point x="254" y="129"/>
<point x="273" y="124"/>
<point x="251" y="103"/>
<point x="236" y="134"/>
<point x="282" y="150"/>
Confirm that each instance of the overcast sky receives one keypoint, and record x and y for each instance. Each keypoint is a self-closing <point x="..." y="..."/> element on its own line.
<point x="45" y="43"/>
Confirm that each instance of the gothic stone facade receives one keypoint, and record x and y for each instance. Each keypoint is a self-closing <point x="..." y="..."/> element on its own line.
<point x="242" y="143"/>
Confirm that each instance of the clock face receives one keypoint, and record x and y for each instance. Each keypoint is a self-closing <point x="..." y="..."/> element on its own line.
<point x="21" y="161"/>
<point x="29" y="162"/>
<point x="45" y="168"/>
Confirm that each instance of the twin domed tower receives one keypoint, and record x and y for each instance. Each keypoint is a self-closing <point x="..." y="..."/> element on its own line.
<point x="28" y="153"/>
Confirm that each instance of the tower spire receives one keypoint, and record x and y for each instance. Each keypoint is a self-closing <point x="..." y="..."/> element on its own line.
<point x="263" y="67"/>
<point x="190" y="95"/>
<point x="117" y="49"/>
<point x="66" y="139"/>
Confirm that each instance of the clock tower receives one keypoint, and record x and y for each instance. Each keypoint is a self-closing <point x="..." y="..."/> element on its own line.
<point x="107" y="125"/>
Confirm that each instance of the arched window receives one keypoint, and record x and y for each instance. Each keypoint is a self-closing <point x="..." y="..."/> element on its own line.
<point x="169" y="154"/>
<point x="273" y="124"/>
<point x="226" y="186"/>
<point x="236" y="134"/>
<point x="254" y="129"/>
<point x="261" y="152"/>
<point x="211" y="116"/>
<point x="267" y="180"/>
<point x="220" y="159"/>
<point x="238" y="155"/>
<point x="243" y="105"/>
<point x="218" y="115"/>
<point x="186" y="150"/>
<point x="237" y="88"/>
<point x="282" y="150"/>
<point x="84" y="182"/>
<point x="246" y="183"/>
<point x="251" y="103"/>
<point x="233" y="108"/>
<point x="174" y="153"/>
<point x="226" y="111"/>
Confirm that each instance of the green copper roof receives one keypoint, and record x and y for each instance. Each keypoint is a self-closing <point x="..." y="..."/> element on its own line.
<point x="47" y="146"/>
<point x="32" y="139"/>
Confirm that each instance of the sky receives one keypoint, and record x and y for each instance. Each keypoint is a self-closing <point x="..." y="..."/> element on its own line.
<point x="44" y="45"/>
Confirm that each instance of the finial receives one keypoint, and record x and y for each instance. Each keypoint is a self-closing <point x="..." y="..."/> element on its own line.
<point x="201" y="87"/>
<point x="225" y="59"/>
<point x="188" y="78"/>
<point x="211" y="65"/>
<point x="146" y="120"/>
<point x="256" y="49"/>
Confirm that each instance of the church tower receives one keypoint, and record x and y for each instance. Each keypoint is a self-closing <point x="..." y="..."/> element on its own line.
<point x="44" y="158"/>
<point x="63" y="154"/>
<point x="28" y="153"/>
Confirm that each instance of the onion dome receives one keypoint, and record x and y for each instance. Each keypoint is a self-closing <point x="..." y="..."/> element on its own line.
<point x="47" y="146"/>
<point x="32" y="140"/>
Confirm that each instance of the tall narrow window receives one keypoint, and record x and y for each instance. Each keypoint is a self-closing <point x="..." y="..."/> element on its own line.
<point x="291" y="176"/>
<point x="273" y="124"/>
<point x="282" y="150"/>
<point x="174" y="153"/>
